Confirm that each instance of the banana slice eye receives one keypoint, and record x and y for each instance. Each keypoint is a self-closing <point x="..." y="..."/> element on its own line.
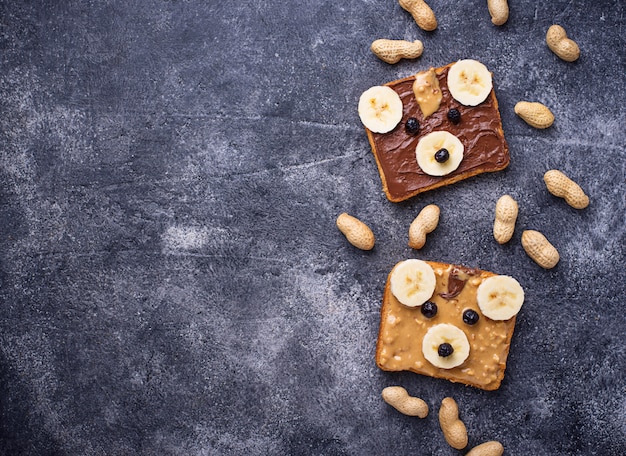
<point x="445" y="346"/>
<point x="439" y="153"/>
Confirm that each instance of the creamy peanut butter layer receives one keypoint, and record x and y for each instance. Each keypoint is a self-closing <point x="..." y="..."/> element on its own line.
<point x="402" y="330"/>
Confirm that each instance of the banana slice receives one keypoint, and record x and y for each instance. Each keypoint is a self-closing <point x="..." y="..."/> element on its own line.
<point x="380" y="109"/>
<point x="438" y="354"/>
<point x="469" y="82"/>
<point x="431" y="156"/>
<point x="500" y="297"/>
<point x="412" y="282"/>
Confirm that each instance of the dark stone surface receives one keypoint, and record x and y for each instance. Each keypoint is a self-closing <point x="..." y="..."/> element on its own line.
<point x="171" y="279"/>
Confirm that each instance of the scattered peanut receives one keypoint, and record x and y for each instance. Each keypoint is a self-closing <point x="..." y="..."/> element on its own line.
<point x="561" y="45"/>
<point x="358" y="233"/>
<point x="453" y="428"/>
<point x="425" y="222"/>
<point x="534" y="114"/>
<point x="391" y="51"/>
<point x="499" y="11"/>
<point x="562" y="186"/>
<point x="491" y="448"/>
<point x="506" y="215"/>
<point x="421" y="12"/>
<point x="539" y="249"/>
<point x="398" y="398"/>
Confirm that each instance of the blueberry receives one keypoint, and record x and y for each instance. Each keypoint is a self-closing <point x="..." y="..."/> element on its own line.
<point x="412" y="126"/>
<point x="445" y="349"/>
<point x="454" y="116"/>
<point x="470" y="316"/>
<point x="442" y="155"/>
<point x="429" y="309"/>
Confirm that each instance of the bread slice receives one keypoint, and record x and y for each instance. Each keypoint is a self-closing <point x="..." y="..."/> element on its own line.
<point x="480" y="131"/>
<point x="399" y="344"/>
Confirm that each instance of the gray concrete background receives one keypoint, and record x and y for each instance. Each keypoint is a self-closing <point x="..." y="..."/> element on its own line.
<point x="171" y="278"/>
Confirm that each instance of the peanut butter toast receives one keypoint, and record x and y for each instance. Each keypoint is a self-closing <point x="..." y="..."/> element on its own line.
<point x="434" y="322"/>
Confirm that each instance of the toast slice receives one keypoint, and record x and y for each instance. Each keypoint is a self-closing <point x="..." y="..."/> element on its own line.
<point x="480" y="131"/>
<point x="402" y="329"/>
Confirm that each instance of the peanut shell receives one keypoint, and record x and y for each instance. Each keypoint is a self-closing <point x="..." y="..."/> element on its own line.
<point x="562" y="186"/>
<point x="425" y="222"/>
<point x="534" y="114"/>
<point x="391" y="51"/>
<point x="506" y="216"/>
<point x="454" y="430"/>
<point x="499" y="11"/>
<point x="399" y="398"/>
<point x="421" y="12"/>
<point x="564" y="47"/>
<point x="539" y="249"/>
<point x="491" y="448"/>
<point x="356" y="232"/>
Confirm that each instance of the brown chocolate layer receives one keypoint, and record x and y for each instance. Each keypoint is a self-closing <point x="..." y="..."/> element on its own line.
<point x="480" y="131"/>
<point x="456" y="281"/>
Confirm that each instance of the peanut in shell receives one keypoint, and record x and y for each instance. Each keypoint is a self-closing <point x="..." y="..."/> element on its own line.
<point x="539" y="249"/>
<point x="506" y="216"/>
<point x="534" y="114"/>
<point x="563" y="187"/>
<point x="391" y="51"/>
<point x="356" y="232"/>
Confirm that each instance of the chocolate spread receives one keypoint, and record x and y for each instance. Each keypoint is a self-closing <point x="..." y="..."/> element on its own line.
<point x="456" y="281"/>
<point x="480" y="131"/>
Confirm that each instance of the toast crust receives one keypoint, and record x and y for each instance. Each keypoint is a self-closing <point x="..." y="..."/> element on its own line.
<point x="399" y="344"/>
<point x="480" y="131"/>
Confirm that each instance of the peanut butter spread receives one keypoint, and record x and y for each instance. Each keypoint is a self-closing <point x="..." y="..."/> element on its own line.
<point x="403" y="328"/>
<point x="427" y="92"/>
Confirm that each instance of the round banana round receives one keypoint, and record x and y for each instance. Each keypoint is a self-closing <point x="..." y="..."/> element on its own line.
<point x="380" y="109"/>
<point x="469" y="82"/>
<point x="412" y="282"/>
<point x="445" y="333"/>
<point x="500" y="297"/>
<point x="430" y="144"/>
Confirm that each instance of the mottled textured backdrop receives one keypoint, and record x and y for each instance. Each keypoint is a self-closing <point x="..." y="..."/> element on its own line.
<point x="171" y="278"/>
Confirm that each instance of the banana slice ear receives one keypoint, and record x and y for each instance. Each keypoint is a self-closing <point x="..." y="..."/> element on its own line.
<point x="412" y="282"/>
<point x="469" y="82"/>
<point x="380" y="109"/>
<point x="500" y="297"/>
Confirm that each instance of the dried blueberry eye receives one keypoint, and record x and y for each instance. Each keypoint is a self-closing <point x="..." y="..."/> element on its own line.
<point x="412" y="126"/>
<point x="470" y="316"/>
<point x="429" y="309"/>
<point x="442" y="155"/>
<point x="454" y="116"/>
<point x="445" y="350"/>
